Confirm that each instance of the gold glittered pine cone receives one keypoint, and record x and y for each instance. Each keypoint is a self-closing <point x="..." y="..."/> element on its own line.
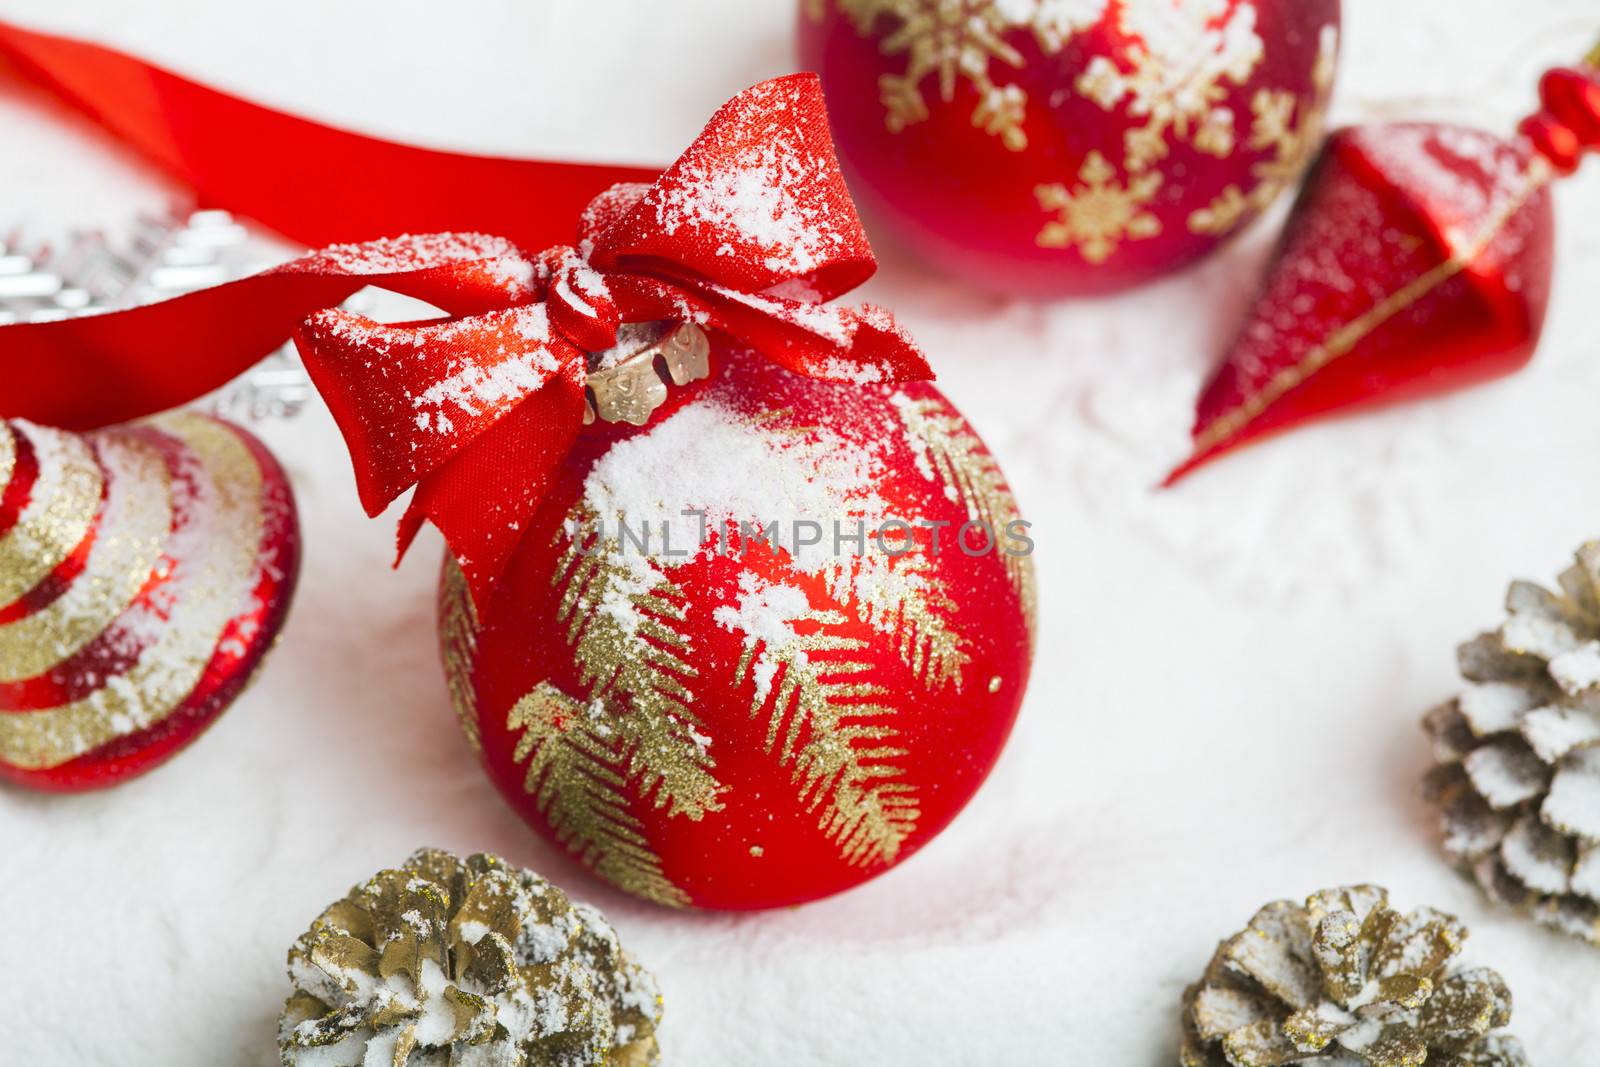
<point x="1517" y="774"/>
<point x="1345" y="981"/>
<point x="465" y="963"/>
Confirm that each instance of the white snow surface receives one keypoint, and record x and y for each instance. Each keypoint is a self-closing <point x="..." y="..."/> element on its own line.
<point x="1225" y="709"/>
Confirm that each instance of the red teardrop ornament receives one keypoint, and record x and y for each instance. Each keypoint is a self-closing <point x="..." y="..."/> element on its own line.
<point x="1417" y="259"/>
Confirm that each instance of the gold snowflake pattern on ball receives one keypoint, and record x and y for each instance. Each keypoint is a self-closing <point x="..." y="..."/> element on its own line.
<point x="1287" y="126"/>
<point x="1183" y="59"/>
<point x="1099" y="213"/>
<point x="963" y="40"/>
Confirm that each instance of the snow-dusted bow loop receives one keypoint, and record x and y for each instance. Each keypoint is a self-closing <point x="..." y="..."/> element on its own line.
<point x="745" y="237"/>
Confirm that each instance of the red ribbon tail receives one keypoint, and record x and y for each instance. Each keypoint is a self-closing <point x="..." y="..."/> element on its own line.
<point x="94" y="371"/>
<point x="102" y="369"/>
<point x="317" y="184"/>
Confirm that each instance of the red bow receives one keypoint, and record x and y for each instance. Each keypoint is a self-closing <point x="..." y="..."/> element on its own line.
<point x="747" y="234"/>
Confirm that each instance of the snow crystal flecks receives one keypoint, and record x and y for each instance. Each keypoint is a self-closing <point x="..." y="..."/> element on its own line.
<point x="355" y="330"/>
<point x="760" y="199"/>
<point x="532" y="324"/>
<point x="514" y="274"/>
<point x="608" y="208"/>
<point x="581" y="287"/>
<point x="765" y="615"/>
<point x="709" y="464"/>
<point x="835" y="369"/>
<point x="882" y="320"/>
<point x="634" y="581"/>
<point x="498" y="257"/>
<point x="1469" y="175"/>
<point x="765" y="612"/>
<point x="800" y="290"/>
<point x="471" y="386"/>
<point x="832" y="323"/>
<point x="476" y="387"/>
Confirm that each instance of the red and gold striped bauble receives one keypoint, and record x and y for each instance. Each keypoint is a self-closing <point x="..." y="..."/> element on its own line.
<point x="144" y="572"/>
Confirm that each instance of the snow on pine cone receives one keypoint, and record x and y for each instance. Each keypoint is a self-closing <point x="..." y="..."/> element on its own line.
<point x="1346" y="981"/>
<point x="1517" y="780"/>
<point x="465" y="963"/>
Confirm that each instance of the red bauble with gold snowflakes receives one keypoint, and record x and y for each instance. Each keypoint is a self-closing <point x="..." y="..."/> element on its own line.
<point x="144" y="573"/>
<point x="1056" y="147"/>
<point x="690" y="684"/>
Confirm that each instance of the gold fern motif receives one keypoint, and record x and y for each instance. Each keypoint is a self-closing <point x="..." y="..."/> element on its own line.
<point x="825" y="723"/>
<point x="949" y="452"/>
<point x="458" y="646"/>
<point x="620" y="611"/>
<point x="828" y="721"/>
<point x="904" y="598"/>
<point x="577" y="773"/>
<point x="639" y="728"/>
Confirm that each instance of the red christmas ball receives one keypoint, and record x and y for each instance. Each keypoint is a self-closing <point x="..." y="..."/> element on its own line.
<point x="714" y="696"/>
<point x="144" y="573"/>
<point x="1057" y="147"/>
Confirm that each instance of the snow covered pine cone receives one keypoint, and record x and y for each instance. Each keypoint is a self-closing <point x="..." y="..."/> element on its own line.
<point x="465" y="963"/>
<point x="1517" y="780"/>
<point x="1345" y="981"/>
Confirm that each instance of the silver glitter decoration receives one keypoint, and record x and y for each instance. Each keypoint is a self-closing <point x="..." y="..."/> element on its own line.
<point x="155" y="259"/>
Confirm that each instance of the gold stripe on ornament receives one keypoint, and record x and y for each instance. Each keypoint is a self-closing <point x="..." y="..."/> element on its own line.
<point x="127" y="547"/>
<point x="1342" y="341"/>
<point x="61" y="505"/>
<point x="8" y="456"/>
<point x="217" y="549"/>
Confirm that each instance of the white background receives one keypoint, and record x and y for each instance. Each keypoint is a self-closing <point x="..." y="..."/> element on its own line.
<point x="1225" y="705"/>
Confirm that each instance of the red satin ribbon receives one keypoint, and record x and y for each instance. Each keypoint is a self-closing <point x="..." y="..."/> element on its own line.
<point x="313" y="183"/>
<point x="747" y="234"/>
